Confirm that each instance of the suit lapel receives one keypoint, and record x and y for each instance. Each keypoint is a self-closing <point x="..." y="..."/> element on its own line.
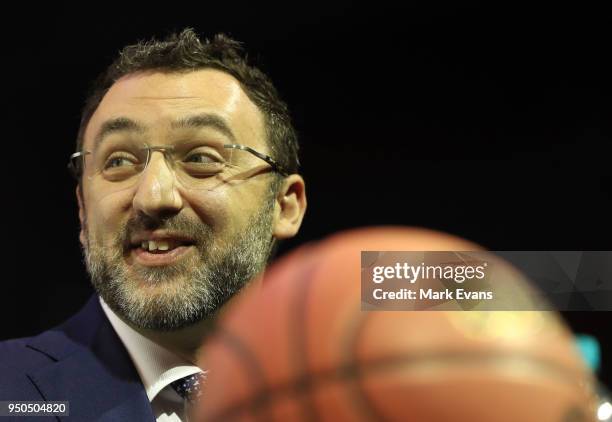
<point x="91" y="369"/>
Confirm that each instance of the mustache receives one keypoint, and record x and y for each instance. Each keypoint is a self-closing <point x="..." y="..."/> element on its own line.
<point x="179" y="225"/>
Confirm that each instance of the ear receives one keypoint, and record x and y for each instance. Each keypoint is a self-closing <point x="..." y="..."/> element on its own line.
<point x="82" y="218"/>
<point x="290" y="207"/>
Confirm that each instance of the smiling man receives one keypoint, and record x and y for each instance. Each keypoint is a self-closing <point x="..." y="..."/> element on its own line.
<point x="187" y="167"/>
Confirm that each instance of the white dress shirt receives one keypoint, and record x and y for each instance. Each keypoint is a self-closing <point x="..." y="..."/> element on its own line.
<point x="157" y="367"/>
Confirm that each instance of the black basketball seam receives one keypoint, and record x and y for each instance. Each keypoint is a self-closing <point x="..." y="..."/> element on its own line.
<point x="249" y="364"/>
<point x="260" y="401"/>
<point x="355" y="387"/>
<point x="359" y="371"/>
<point x="299" y="323"/>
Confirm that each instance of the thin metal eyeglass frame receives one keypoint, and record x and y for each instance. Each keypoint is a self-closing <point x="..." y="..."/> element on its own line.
<point x="275" y="166"/>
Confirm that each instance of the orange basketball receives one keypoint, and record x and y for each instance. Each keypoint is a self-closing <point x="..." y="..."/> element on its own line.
<point x="301" y="349"/>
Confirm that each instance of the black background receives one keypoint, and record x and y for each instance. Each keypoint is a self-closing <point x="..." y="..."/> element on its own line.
<point x="489" y="123"/>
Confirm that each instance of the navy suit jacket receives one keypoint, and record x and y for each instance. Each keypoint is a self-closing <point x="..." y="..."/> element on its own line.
<point x="81" y="361"/>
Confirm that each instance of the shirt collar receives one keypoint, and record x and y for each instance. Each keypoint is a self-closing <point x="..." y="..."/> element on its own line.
<point x="157" y="366"/>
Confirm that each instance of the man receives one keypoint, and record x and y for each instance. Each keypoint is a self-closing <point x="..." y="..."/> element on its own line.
<point x="187" y="168"/>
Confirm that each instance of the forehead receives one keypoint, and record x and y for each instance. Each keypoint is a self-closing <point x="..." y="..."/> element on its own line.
<point x="155" y="100"/>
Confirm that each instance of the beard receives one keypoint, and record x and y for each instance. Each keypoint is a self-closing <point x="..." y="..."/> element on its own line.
<point x="175" y="296"/>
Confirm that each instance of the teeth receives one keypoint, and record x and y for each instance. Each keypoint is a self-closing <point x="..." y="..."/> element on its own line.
<point x="151" y="245"/>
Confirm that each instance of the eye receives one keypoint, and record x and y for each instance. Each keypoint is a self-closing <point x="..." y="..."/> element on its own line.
<point x="202" y="164"/>
<point x="120" y="166"/>
<point x="202" y="158"/>
<point x="115" y="162"/>
<point x="120" y="159"/>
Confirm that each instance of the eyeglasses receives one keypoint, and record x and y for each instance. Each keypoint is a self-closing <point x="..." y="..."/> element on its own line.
<point x="197" y="165"/>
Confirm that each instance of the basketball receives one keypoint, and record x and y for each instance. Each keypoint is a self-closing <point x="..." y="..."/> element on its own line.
<point x="300" y="348"/>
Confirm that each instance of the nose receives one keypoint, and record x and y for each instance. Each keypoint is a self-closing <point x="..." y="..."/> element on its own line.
<point x="157" y="195"/>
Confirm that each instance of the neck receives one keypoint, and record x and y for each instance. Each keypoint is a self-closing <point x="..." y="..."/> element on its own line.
<point x="185" y="342"/>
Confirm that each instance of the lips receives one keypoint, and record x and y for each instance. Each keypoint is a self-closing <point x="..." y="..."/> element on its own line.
<point x="157" y="248"/>
<point x="160" y="258"/>
<point x="160" y="242"/>
<point x="161" y="245"/>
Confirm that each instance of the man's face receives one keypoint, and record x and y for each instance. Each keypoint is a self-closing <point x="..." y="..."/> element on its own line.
<point x="210" y="240"/>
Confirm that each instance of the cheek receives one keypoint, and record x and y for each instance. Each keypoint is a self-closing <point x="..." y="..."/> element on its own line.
<point x="226" y="210"/>
<point x="106" y="214"/>
<point x="211" y="208"/>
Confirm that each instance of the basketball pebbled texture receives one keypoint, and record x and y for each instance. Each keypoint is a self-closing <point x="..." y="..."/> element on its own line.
<point x="301" y="349"/>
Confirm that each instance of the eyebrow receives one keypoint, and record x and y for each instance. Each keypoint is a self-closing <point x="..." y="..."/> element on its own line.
<point x="205" y="120"/>
<point x="198" y="121"/>
<point x="118" y="124"/>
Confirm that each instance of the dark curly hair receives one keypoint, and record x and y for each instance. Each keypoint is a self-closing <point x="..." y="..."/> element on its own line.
<point x="185" y="52"/>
